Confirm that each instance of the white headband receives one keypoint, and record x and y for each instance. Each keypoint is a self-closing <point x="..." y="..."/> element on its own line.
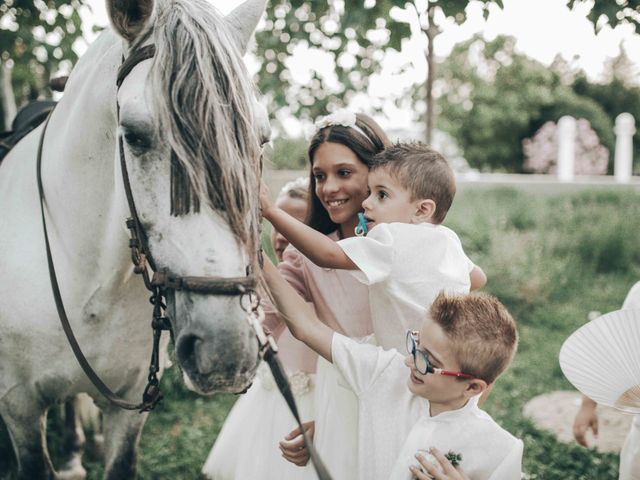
<point x="343" y="117"/>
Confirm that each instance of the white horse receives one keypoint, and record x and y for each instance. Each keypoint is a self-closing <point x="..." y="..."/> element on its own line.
<point x="191" y="142"/>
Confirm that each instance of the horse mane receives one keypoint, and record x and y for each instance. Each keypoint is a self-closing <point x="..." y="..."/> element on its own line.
<point x="202" y="80"/>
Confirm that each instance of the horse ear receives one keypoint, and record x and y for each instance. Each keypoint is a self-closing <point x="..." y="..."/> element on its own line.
<point x="129" y="17"/>
<point x="244" y="19"/>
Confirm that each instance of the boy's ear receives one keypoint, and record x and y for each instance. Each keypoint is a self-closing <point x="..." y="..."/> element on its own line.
<point x="425" y="210"/>
<point x="475" y="387"/>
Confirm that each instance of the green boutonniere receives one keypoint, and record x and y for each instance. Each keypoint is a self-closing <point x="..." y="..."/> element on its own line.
<point x="454" y="458"/>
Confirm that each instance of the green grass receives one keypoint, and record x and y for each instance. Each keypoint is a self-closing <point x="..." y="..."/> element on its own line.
<point x="550" y="259"/>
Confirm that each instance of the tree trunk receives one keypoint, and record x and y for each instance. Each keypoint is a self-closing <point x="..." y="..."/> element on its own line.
<point x="7" y="97"/>
<point x="431" y="31"/>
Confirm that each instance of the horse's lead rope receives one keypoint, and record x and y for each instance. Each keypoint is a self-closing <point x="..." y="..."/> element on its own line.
<point x="269" y="352"/>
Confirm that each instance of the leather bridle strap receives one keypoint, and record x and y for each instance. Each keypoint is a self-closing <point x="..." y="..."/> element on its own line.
<point x="64" y="320"/>
<point x="162" y="278"/>
<point x="216" y="285"/>
<point x="129" y="63"/>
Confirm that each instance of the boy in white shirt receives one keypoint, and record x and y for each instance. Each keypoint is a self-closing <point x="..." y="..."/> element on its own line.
<point x="408" y="256"/>
<point x="428" y="398"/>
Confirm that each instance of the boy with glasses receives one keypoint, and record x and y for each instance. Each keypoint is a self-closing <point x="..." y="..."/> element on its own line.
<point x="464" y="344"/>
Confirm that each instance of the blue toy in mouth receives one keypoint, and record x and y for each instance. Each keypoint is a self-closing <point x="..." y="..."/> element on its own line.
<point x="361" y="229"/>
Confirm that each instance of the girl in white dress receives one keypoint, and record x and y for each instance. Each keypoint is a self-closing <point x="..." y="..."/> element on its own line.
<point x="247" y="447"/>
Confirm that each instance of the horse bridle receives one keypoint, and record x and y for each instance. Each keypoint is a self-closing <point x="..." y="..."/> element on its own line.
<point x="163" y="280"/>
<point x="158" y="282"/>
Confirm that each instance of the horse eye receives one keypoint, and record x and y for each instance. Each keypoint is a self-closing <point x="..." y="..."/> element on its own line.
<point x="137" y="141"/>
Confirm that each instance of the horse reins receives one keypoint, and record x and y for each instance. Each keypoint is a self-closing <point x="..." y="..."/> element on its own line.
<point x="158" y="282"/>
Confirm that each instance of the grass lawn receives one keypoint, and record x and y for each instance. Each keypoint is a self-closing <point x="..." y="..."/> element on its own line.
<point x="550" y="259"/>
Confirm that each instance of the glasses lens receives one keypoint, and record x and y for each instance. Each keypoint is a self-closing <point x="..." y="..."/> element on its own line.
<point x="411" y="345"/>
<point x="422" y="362"/>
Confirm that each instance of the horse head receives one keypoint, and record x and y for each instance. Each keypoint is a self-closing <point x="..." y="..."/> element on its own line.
<point x="192" y="134"/>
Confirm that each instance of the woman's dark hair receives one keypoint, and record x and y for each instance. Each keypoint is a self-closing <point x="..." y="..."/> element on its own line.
<point x="365" y="142"/>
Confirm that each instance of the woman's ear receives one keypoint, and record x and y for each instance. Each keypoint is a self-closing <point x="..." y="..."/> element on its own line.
<point x="425" y="210"/>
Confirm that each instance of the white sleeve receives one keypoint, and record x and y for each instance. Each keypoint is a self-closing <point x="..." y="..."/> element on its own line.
<point x="373" y="254"/>
<point x="454" y="236"/>
<point x="470" y="264"/>
<point x="360" y="363"/>
<point x="511" y="466"/>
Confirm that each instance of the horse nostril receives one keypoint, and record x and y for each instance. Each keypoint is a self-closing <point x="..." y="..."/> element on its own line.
<point x="185" y="348"/>
<point x="192" y="350"/>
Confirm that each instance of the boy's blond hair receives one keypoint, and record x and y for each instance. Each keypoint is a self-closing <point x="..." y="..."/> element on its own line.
<point x="483" y="334"/>
<point x="297" y="189"/>
<point x="421" y="170"/>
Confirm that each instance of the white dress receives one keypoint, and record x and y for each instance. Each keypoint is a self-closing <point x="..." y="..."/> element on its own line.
<point x="260" y="419"/>
<point x="247" y="445"/>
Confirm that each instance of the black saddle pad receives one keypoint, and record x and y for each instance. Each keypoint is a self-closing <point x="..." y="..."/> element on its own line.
<point x="28" y="118"/>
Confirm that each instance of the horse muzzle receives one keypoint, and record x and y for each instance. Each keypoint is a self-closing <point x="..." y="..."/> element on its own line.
<point x="215" y="345"/>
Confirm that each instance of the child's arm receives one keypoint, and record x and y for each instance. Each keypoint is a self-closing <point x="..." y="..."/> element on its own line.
<point x="478" y="278"/>
<point x="299" y="316"/>
<point x="314" y="245"/>
<point x="586" y="419"/>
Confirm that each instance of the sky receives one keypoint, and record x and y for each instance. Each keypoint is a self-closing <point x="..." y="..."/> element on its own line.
<point x="542" y="28"/>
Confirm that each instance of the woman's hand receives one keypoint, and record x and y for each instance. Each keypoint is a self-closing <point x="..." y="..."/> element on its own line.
<point x="445" y="471"/>
<point x="293" y="448"/>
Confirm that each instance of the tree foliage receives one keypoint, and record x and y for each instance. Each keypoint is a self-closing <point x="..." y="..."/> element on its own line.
<point x="36" y="39"/>
<point x="612" y="13"/>
<point x="353" y="38"/>
<point x="495" y="98"/>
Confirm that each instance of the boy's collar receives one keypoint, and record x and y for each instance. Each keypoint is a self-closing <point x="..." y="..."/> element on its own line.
<point x="470" y="405"/>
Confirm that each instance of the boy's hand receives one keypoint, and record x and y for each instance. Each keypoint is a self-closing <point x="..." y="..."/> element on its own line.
<point x="266" y="204"/>
<point x="445" y="471"/>
<point x="293" y="448"/>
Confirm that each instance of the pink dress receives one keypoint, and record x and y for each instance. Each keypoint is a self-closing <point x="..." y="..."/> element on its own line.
<point x="261" y="417"/>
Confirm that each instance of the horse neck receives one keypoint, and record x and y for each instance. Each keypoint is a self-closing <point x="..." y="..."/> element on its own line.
<point x="83" y="197"/>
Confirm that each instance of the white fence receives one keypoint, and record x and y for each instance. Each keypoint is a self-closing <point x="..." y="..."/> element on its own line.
<point x="623" y="159"/>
